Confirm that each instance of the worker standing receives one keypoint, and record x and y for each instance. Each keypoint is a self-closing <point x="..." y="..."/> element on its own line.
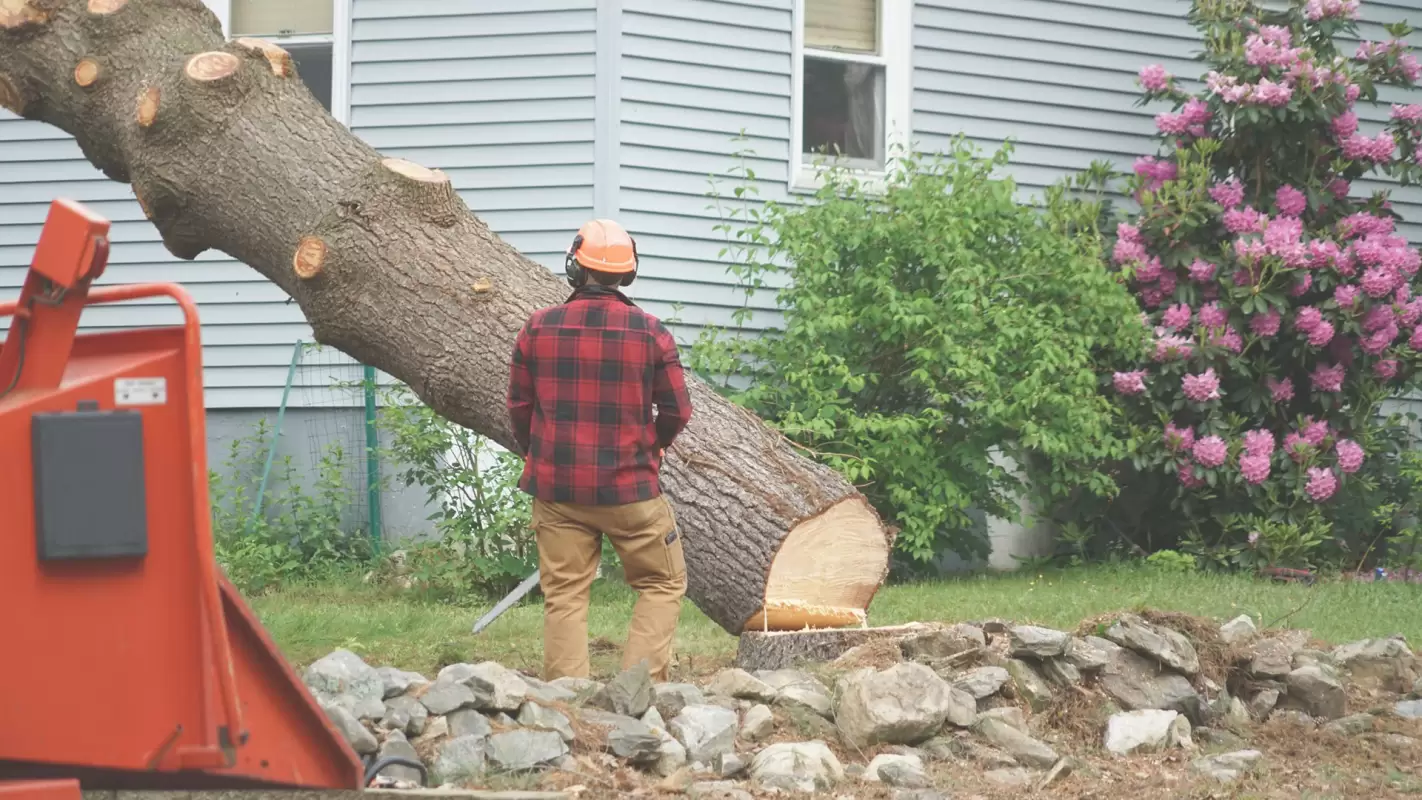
<point x="584" y="380"/>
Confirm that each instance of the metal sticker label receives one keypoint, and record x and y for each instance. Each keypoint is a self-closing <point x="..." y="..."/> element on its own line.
<point x="141" y="391"/>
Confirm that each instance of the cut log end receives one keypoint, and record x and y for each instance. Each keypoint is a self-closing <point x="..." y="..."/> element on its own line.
<point x="10" y="98"/>
<point x="277" y="58"/>
<point x="786" y="649"/>
<point x="483" y="286"/>
<point x="86" y="74"/>
<point x="310" y="256"/>
<point x="827" y="570"/>
<point x="413" y="171"/>
<point x="106" y="6"/>
<point x="148" y="101"/>
<point x="16" y="13"/>
<point x="211" y="66"/>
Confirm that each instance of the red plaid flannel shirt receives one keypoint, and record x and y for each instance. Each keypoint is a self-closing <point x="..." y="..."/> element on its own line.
<point x="583" y="381"/>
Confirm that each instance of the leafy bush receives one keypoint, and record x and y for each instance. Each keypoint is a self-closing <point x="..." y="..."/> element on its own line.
<point x="1282" y="306"/>
<point x="298" y="533"/>
<point x="925" y="327"/>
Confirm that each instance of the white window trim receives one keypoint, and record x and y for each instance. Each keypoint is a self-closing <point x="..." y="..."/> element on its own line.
<point x="340" y="40"/>
<point x="896" y="39"/>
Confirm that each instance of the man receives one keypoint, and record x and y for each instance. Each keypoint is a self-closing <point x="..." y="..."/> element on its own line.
<point x="583" y="382"/>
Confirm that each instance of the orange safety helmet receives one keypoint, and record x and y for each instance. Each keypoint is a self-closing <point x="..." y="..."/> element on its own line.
<point x="603" y="246"/>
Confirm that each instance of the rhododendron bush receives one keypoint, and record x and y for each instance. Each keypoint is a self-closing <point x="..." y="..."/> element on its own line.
<point x="1282" y="300"/>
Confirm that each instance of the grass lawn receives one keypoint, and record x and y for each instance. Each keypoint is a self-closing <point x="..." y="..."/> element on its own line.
<point x="387" y="628"/>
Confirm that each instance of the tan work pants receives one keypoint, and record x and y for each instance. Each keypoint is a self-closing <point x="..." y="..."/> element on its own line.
<point x="569" y="549"/>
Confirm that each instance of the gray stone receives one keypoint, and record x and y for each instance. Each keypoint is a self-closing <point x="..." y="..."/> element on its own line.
<point x="705" y="730"/>
<point x="1351" y="725"/>
<point x="1417" y="688"/>
<point x="717" y="790"/>
<point x="629" y="694"/>
<point x="1238" y="712"/>
<point x="903" y="704"/>
<point x="462" y="758"/>
<point x="496" y="687"/>
<point x="654" y="720"/>
<point x="962" y="708"/>
<point x="1136" y="683"/>
<point x="671" y="756"/>
<point x="1146" y="730"/>
<point x="1227" y="766"/>
<point x="1263" y="703"/>
<point x="544" y="692"/>
<point x="356" y="735"/>
<point x="741" y="685"/>
<point x="1317" y="692"/>
<point x="1060" y="671"/>
<point x="341" y="678"/>
<point x="1304" y="658"/>
<point x="533" y="715"/>
<point x="405" y="713"/>
<point x="1012" y="715"/>
<point x="1091" y="653"/>
<point x="797" y="766"/>
<point x="942" y="748"/>
<point x="982" y="682"/>
<point x="1379" y="664"/>
<point x="503" y="720"/>
<point x="1294" y="718"/>
<point x="987" y="756"/>
<point x="942" y="643"/>
<point x="397" y="745"/>
<point x="893" y="769"/>
<point x="1218" y="739"/>
<point x="1158" y="642"/>
<point x="1022" y="747"/>
<point x="1398" y="741"/>
<point x="523" y="750"/>
<point x="435" y="730"/>
<point x="442" y="697"/>
<point x="759" y="723"/>
<point x="580" y="687"/>
<point x="1270" y="658"/>
<point x="1011" y="777"/>
<point x="1059" y="770"/>
<point x="796" y="688"/>
<point x="1240" y="630"/>
<point x="1029" y="684"/>
<point x="1408" y="709"/>
<point x="398" y="681"/>
<point x="1032" y="641"/>
<point x="635" y="741"/>
<point x="918" y="794"/>
<point x="728" y="765"/>
<point x="468" y="722"/>
<point x="670" y="698"/>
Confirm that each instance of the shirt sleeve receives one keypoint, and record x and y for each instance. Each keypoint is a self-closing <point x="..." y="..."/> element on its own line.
<point x="669" y="392"/>
<point x="521" y="391"/>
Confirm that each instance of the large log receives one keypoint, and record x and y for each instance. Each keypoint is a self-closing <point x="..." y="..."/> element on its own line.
<point x="226" y="149"/>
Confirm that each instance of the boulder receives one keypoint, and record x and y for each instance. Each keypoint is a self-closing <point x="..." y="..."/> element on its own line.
<point x="398" y="681"/>
<point x="1157" y="642"/>
<point x="1238" y="631"/>
<point x="982" y="682"/>
<point x="495" y="687"/>
<point x="341" y="678"/>
<point x="396" y="744"/>
<point x="356" y="735"/>
<point x="442" y="697"/>
<point x="942" y="643"/>
<point x="918" y="794"/>
<point x="1060" y="672"/>
<point x="797" y="767"/>
<point x="893" y="769"/>
<point x="670" y="698"/>
<point x="533" y="715"/>
<point x="523" y="750"/>
<point x="717" y="790"/>
<point x="580" y="687"/>
<point x="1227" y="766"/>
<point x="1029" y="684"/>
<point x="1351" y="725"/>
<point x="1010" y="777"/>
<point x="796" y="688"/>
<point x="1012" y="715"/>
<point x="705" y="731"/>
<point x="468" y="722"/>
<point x="635" y="741"/>
<point x="1146" y="730"/>
<point x="654" y="720"/>
<point x="1264" y="702"/>
<point x="461" y="759"/>
<point x="1091" y="653"/>
<point x="1019" y="745"/>
<point x="1408" y="709"/>
<point x="903" y="704"/>
<point x="1386" y="665"/>
<point x="1270" y="658"/>
<point x="405" y="713"/>
<point x="546" y="693"/>
<point x="741" y="685"/>
<point x="758" y="724"/>
<point x="671" y="756"/>
<point x="728" y="765"/>
<point x="629" y="694"/>
<point x="1316" y="691"/>
<point x="1031" y="641"/>
<point x="1136" y="683"/>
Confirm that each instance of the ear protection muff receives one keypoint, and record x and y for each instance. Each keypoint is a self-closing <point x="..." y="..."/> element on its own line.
<point x="636" y="263"/>
<point x="577" y="276"/>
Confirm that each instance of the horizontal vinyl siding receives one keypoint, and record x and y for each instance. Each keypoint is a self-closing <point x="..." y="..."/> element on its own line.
<point x="1058" y="77"/>
<point x="694" y="75"/>
<point x="497" y="93"/>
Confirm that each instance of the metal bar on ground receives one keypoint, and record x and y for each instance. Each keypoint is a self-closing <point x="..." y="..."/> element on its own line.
<point x="507" y="603"/>
<point x="276" y="432"/>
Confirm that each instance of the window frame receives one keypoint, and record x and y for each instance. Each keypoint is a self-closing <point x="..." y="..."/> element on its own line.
<point x="895" y="56"/>
<point x="339" y="39"/>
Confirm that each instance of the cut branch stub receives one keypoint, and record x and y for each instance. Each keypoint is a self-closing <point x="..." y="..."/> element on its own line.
<point x="86" y="74"/>
<point x="106" y="6"/>
<point x="148" y="106"/>
<point x="413" y="171"/>
<point x="310" y="255"/>
<point x="277" y="58"/>
<point x="10" y="97"/>
<point x="14" y="13"/>
<point x="212" y="66"/>
<point x="430" y="190"/>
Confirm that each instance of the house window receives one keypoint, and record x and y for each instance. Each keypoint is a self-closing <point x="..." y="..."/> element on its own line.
<point x="304" y="28"/>
<point x="852" y="78"/>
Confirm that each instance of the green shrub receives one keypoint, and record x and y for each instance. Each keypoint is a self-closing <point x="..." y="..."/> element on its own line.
<point x="925" y="327"/>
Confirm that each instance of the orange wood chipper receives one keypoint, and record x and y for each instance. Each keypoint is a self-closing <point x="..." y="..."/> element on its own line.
<point x="127" y="659"/>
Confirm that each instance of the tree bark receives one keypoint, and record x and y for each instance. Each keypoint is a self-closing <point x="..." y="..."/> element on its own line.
<point x="226" y="149"/>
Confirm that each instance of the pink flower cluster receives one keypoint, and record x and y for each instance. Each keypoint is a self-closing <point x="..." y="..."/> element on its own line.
<point x="1407" y="64"/>
<point x="1409" y="113"/>
<point x="1280" y="391"/>
<point x="1323" y="9"/>
<point x="1155" y="171"/>
<point x="1291" y="201"/>
<point x="1210" y="451"/>
<point x="1129" y="383"/>
<point x="1201" y="388"/>
<point x="1322" y="483"/>
<point x="1360" y="148"/>
<point x="1191" y="119"/>
<point x="1350" y="455"/>
<point x="1154" y="78"/>
<point x="1254" y="461"/>
<point x="1271" y="46"/>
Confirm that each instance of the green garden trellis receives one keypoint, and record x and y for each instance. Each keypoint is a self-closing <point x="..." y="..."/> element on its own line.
<point x="369" y="441"/>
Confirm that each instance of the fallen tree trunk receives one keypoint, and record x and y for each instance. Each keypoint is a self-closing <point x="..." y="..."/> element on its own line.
<point x="226" y="149"/>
